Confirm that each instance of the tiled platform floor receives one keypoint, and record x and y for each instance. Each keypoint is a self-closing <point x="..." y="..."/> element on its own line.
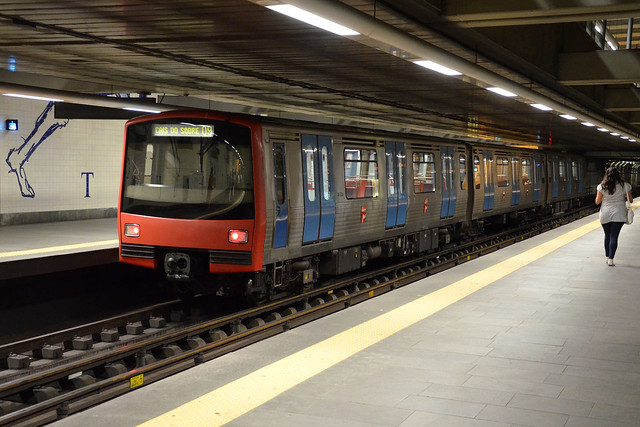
<point x="50" y="247"/>
<point x="554" y="343"/>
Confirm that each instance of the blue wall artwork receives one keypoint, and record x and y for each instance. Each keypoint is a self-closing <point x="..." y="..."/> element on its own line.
<point x="17" y="157"/>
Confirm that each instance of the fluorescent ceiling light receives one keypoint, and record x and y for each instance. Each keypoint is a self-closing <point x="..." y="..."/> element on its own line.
<point x="632" y="140"/>
<point x="615" y="134"/>
<point x="541" y="107"/>
<point x="624" y="137"/>
<point x="603" y="129"/>
<point x="501" y="91"/>
<point x="568" y="117"/>
<point x="587" y="124"/>
<point x="142" y="110"/>
<point x="37" y="98"/>
<point x="311" y="19"/>
<point x="437" y="67"/>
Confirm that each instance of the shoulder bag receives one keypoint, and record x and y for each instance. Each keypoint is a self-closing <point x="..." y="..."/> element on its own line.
<point x="629" y="210"/>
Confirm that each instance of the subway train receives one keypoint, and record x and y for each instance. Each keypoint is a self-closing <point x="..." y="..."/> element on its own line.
<point x="262" y="207"/>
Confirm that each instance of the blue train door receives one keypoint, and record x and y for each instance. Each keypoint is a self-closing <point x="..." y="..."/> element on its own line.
<point x="282" y="201"/>
<point x="554" y="177"/>
<point x="396" y="161"/>
<point x="319" y="201"/>
<point x="568" y="172"/>
<point x="537" y="178"/>
<point x="515" y="188"/>
<point x="327" y="193"/>
<point x="448" y="186"/>
<point x="580" y="177"/>
<point x="489" y="189"/>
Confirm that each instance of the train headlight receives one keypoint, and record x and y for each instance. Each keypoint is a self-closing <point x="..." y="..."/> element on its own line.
<point x="238" y="236"/>
<point x="132" y="230"/>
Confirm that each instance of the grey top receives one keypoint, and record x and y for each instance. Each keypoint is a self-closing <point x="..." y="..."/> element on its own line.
<point x="613" y="208"/>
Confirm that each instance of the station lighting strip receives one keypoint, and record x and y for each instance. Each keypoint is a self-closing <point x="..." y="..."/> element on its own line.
<point x="340" y="19"/>
<point x="52" y="95"/>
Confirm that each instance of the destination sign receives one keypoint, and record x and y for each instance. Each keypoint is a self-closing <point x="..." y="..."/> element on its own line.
<point x="205" y="131"/>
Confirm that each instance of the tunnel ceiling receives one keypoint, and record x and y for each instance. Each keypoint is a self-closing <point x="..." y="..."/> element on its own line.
<point x="241" y="56"/>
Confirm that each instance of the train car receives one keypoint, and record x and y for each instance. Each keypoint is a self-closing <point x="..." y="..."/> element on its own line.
<point x="261" y="207"/>
<point x="507" y="185"/>
<point x="566" y="189"/>
<point x="192" y="195"/>
<point x="629" y="171"/>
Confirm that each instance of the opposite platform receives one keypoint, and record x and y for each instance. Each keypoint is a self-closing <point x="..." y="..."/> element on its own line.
<point x="51" y="247"/>
<point x="542" y="333"/>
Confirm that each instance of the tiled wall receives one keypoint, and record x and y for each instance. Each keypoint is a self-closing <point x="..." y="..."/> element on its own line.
<point x="55" y="168"/>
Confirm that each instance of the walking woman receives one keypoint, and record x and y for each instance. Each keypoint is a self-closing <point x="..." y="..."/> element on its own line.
<point x="612" y="193"/>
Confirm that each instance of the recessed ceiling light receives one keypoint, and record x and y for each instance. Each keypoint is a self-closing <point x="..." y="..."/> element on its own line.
<point x="312" y="19"/>
<point x="437" y="67"/>
<point x="603" y="129"/>
<point x="568" y="117"/>
<point x="587" y="124"/>
<point x="541" y="107"/>
<point x="501" y="91"/>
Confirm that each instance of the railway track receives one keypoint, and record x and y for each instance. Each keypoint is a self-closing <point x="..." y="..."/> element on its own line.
<point x="46" y="378"/>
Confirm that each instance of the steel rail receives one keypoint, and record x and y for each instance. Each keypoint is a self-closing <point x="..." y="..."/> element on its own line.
<point x="244" y="327"/>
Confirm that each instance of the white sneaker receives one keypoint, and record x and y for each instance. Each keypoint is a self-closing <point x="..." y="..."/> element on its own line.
<point x="610" y="262"/>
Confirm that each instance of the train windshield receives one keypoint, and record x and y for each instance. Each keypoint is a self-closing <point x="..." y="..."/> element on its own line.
<point x="188" y="169"/>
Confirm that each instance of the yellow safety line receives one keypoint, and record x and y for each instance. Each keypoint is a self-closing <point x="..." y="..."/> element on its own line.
<point x="244" y="394"/>
<point x="58" y="248"/>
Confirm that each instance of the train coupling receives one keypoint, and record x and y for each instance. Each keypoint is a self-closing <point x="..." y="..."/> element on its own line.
<point x="177" y="265"/>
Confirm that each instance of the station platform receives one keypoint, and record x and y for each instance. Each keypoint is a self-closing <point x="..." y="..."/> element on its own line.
<point x="41" y="248"/>
<point x="541" y="333"/>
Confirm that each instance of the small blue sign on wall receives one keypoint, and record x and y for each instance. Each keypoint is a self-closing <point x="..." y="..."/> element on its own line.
<point x="12" y="124"/>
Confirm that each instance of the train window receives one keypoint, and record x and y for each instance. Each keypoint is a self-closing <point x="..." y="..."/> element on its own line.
<point x="488" y="172"/>
<point x="562" y="171"/>
<point x="502" y="171"/>
<point x="476" y="171"/>
<point x="279" y="174"/>
<point x="311" y="173"/>
<point x="391" y="185"/>
<point x="463" y="172"/>
<point x="361" y="173"/>
<point x="148" y="165"/>
<point x="526" y="172"/>
<point x="515" y="170"/>
<point x="580" y="170"/>
<point x="188" y="169"/>
<point x="574" y="171"/>
<point x="424" y="172"/>
<point x="402" y="170"/>
<point x="326" y="182"/>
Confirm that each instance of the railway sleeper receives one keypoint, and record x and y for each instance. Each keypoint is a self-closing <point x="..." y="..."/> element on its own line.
<point x="7" y="407"/>
<point x="18" y="361"/>
<point x="80" y="381"/>
<point x="46" y="392"/>
<point x="49" y="352"/>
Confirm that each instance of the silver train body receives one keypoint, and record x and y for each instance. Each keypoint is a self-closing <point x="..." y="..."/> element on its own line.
<point x="337" y="199"/>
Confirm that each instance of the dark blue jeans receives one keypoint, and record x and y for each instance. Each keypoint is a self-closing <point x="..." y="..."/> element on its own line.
<point x="611" y="233"/>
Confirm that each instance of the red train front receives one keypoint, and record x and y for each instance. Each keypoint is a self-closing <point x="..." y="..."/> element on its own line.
<point x="191" y="201"/>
